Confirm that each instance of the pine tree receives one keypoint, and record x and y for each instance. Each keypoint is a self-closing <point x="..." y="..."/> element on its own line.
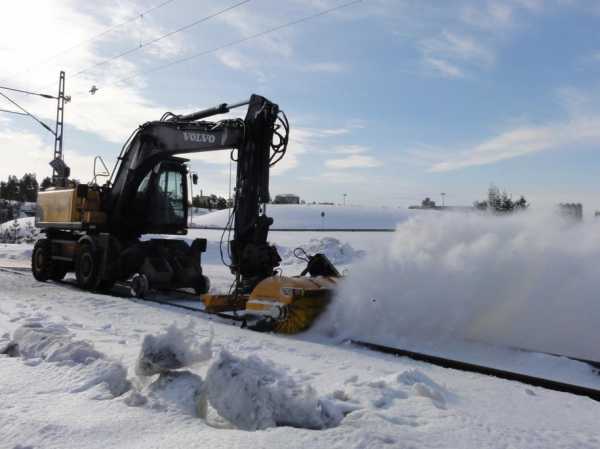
<point x="46" y="182"/>
<point x="14" y="228"/>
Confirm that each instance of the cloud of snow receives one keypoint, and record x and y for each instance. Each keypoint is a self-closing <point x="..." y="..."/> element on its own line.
<point x="525" y="280"/>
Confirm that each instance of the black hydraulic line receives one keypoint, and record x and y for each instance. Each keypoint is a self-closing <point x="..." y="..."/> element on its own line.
<point x="220" y="109"/>
<point x="485" y="370"/>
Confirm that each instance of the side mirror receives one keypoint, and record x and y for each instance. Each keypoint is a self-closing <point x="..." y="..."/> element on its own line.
<point x="194" y="178"/>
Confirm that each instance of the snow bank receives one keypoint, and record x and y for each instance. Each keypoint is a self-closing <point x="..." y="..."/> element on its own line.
<point x="384" y="393"/>
<point x="253" y="395"/>
<point x="15" y="253"/>
<point x="318" y="217"/>
<point x="339" y="253"/>
<point x="21" y="230"/>
<point x="249" y="393"/>
<point x="524" y="280"/>
<point x="176" y="348"/>
<point x="53" y="343"/>
<point x="173" y="391"/>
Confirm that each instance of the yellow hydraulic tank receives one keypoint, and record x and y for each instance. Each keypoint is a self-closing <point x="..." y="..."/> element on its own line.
<point x="58" y="206"/>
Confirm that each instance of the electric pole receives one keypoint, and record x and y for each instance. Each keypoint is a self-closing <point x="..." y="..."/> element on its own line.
<point x="60" y="170"/>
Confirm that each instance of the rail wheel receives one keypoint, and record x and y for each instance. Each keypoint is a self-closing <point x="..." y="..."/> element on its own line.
<point x="87" y="266"/>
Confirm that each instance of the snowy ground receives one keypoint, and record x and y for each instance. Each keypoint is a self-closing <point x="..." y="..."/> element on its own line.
<point x="397" y="402"/>
<point x="75" y="383"/>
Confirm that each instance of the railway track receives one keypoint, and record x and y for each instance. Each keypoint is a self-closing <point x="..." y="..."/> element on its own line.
<point x="176" y="298"/>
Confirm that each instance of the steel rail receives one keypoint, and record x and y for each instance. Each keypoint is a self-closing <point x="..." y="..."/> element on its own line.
<point x="485" y="370"/>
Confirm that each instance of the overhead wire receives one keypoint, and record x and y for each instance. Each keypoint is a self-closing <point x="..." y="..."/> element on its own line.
<point x="28" y="92"/>
<point x="161" y="37"/>
<point x="96" y="36"/>
<point x="26" y="112"/>
<point x="12" y="112"/>
<point x="241" y="40"/>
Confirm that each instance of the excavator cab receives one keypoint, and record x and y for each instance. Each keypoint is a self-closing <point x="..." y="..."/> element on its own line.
<point x="160" y="202"/>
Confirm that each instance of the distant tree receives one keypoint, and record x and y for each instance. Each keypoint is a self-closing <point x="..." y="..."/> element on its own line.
<point x="481" y="205"/>
<point x="521" y="204"/>
<point x="30" y="233"/>
<point x="28" y="188"/>
<point x="6" y="211"/>
<point x="11" y="192"/>
<point x="221" y="203"/>
<point x="46" y="182"/>
<point x="196" y="201"/>
<point x="501" y="203"/>
<point x="14" y="231"/>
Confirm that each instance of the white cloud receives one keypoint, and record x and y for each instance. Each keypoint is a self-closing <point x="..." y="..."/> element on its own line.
<point x="523" y="141"/>
<point x="117" y="108"/>
<point x="24" y="152"/>
<point x="459" y="47"/>
<point x="324" y="67"/>
<point x="444" y="67"/>
<point x="447" y="51"/>
<point x="350" y="149"/>
<point x="234" y="60"/>
<point x="493" y="14"/>
<point x="353" y="161"/>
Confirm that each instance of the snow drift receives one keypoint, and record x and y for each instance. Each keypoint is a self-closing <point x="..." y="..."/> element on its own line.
<point x="339" y="253"/>
<point x="176" y="348"/>
<point x="250" y="393"/>
<point x="253" y="395"/>
<point x="525" y="280"/>
<point x="53" y="343"/>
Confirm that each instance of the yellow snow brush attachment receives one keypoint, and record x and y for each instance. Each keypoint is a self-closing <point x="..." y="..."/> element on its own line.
<point x="289" y="305"/>
<point x="223" y="303"/>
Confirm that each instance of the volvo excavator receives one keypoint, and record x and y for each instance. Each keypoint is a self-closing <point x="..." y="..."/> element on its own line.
<point x="100" y="232"/>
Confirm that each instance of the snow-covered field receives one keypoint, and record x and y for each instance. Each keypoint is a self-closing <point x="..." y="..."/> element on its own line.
<point x="441" y="283"/>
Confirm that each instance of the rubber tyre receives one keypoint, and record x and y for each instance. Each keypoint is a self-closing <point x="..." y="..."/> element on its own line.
<point x="87" y="265"/>
<point x="41" y="261"/>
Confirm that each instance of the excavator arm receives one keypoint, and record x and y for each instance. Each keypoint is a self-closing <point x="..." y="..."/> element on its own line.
<point x="159" y="142"/>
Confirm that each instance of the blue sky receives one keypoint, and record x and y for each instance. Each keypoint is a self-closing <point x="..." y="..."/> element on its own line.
<point x="389" y="101"/>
